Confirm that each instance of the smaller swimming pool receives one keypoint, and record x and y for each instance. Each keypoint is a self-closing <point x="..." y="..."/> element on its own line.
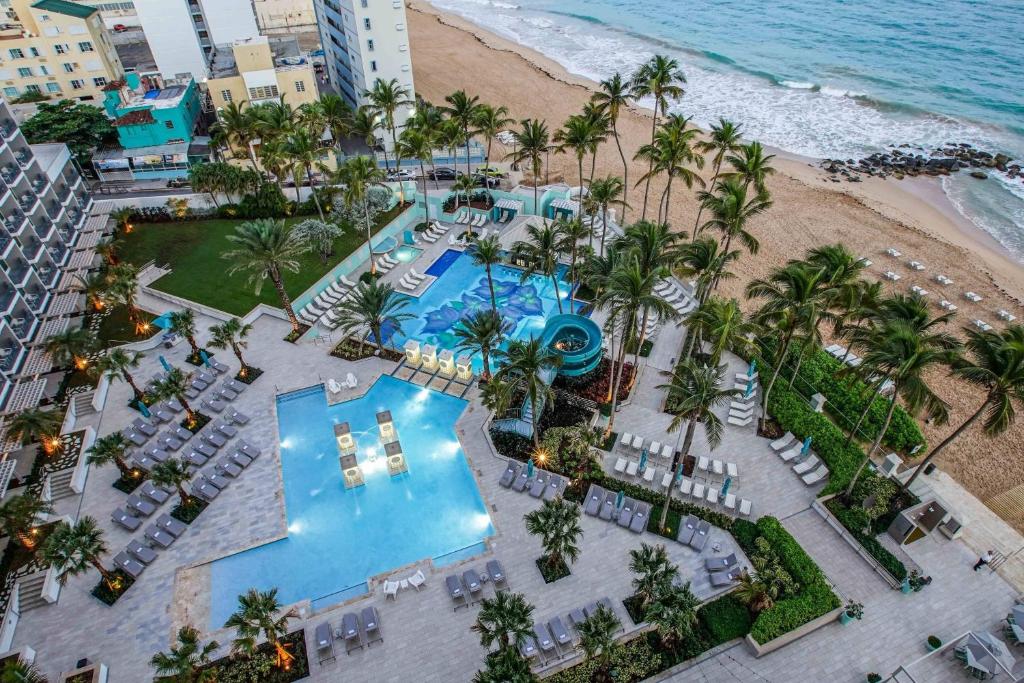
<point x="444" y="262"/>
<point x="385" y="245"/>
<point x="406" y="254"/>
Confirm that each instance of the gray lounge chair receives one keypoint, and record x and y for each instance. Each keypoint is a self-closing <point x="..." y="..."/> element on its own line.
<point x="199" y="385"/>
<point x="592" y="505"/>
<point x="626" y="512"/>
<point x="640" y="518"/>
<point x="133" y="436"/>
<point x="204" y="448"/>
<point x="577" y="617"/>
<point x="215" y="440"/>
<point x="529" y="648"/>
<point x="238" y="418"/>
<point x="371" y="625"/>
<point x="249" y="449"/>
<point x="722" y="579"/>
<point x="217" y="480"/>
<point x="192" y="392"/>
<point x="227" y="394"/>
<point x="162" y="413"/>
<point x="119" y="516"/>
<point x="720" y="564"/>
<point x="218" y="366"/>
<point x="172" y="526"/>
<point x="700" y="538"/>
<point x="216" y="405"/>
<point x="175" y="405"/>
<point x="144" y="463"/>
<point x="169" y="441"/>
<point x="159" y="536"/>
<point x="157" y="453"/>
<point x="510" y="474"/>
<point x="240" y="458"/>
<point x="229" y="468"/>
<point x="131" y="567"/>
<point x="545" y="641"/>
<point x="687" y="529"/>
<point x="324" y="643"/>
<point x="143" y="554"/>
<point x="555" y="487"/>
<point x="519" y="484"/>
<point x="226" y="429"/>
<point x="144" y="427"/>
<point x="206" y="377"/>
<point x="608" y="506"/>
<point x="539" y="482"/>
<point x="472" y="582"/>
<point x="456" y="592"/>
<point x="559" y="631"/>
<point x="140" y="506"/>
<point x="236" y="386"/>
<point x="349" y="632"/>
<point x="182" y="433"/>
<point x="205" y="490"/>
<point x="496" y="573"/>
<point x="196" y="458"/>
<point x="154" y="492"/>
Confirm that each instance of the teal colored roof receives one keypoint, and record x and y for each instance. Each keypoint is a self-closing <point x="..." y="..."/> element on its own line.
<point x="63" y="7"/>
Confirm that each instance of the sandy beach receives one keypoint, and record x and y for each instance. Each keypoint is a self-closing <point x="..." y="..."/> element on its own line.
<point x="912" y="216"/>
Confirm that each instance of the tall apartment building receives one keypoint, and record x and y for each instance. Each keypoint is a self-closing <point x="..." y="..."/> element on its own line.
<point x="261" y="70"/>
<point x="182" y="34"/>
<point x="114" y="13"/>
<point x="58" y="48"/>
<point x="44" y="205"/>
<point x="364" y="40"/>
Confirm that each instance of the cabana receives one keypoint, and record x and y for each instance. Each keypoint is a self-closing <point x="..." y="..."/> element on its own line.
<point x="504" y="210"/>
<point x="563" y="208"/>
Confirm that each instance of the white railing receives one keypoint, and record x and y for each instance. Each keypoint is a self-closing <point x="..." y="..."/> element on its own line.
<point x="81" y="472"/>
<point x="10" y="621"/>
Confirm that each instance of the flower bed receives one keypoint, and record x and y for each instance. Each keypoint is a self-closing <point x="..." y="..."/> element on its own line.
<point x="855" y="524"/>
<point x="127" y="485"/>
<point x="294" y="335"/>
<point x="352" y="349"/>
<point x="198" y="422"/>
<point x="249" y="376"/>
<point x="261" y="665"/>
<point x="595" y="385"/>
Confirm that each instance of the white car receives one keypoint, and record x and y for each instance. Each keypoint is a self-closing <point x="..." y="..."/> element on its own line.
<point x="402" y="174"/>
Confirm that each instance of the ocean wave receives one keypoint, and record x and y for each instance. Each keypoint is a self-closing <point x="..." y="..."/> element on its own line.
<point x="840" y="92"/>
<point x="799" y="85"/>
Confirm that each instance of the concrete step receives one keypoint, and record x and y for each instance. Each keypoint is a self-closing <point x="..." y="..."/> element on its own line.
<point x="29" y="592"/>
<point x="83" y="404"/>
<point x="60" y="485"/>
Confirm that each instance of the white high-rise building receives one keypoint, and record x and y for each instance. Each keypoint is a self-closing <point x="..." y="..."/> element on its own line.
<point x="182" y="34"/>
<point x="364" y="40"/>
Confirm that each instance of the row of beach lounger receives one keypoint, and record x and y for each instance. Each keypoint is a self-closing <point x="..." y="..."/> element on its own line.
<point x="676" y="296"/>
<point x="321" y="308"/>
<point x="435" y="232"/>
<point x="356" y="631"/>
<point x="942" y="280"/>
<point x="632" y="515"/>
<point x="551" y="640"/>
<point x="467" y="589"/>
<point x="543" y="484"/>
<point x="411" y="280"/>
<point x="810" y="469"/>
<point x="694" y="532"/>
<point x="471" y="218"/>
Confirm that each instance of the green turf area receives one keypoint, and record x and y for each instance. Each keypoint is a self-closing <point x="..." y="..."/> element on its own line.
<point x="193" y="249"/>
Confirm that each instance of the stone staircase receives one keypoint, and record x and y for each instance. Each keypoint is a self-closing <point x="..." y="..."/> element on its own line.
<point x="60" y="485"/>
<point x="30" y="591"/>
<point x="82" y="404"/>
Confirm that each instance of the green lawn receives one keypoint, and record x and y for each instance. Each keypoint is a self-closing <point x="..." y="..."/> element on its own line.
<point x="193" y="249"/>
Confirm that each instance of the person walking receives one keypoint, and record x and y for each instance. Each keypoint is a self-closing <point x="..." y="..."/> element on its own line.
<point x="983" y="560"/>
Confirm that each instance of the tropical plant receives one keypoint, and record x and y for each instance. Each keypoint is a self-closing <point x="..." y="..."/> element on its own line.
<point x="337" y="117"/>
<point x="505" y="666"/>
<point x="174" y="384"/>
<point x="17" y="670"/>
<point x="231" y="334"/>
<point x="532" y="142"/>
<point x="95" y="287"/>
<point x="505" y="619"/>
<point x="237" y="125"/>
<point x="528" y="366"/>
<point x="184" y="662"/>
<point x="487" y="253"/>
<point x="183" y="322"/>
<point x="265" y="249"/>
<point x="668" y="154"/>
<point x="358" y="175"/>
<point x="416" y="144"/>
<point x="374" y="308"/>
<point x="660" y="79"/>
<point x="674" y="614"/>
<point x="257" y="614"/>
<point x="72" y="548"/>
<point x="579" y="135"/>
<point x="723" y="139"/>
<point x="612" y="95"/>
<point x="482" y="332"/>
<point x="385" y="99"/>
<point x="489" y="121"/>
<point x="704" y="261"/>
<point x="653" y="572"/>
<point x="570" y="232"/>
<point x="695" y="393"/>
<point x="173" y="473"/>
<point x="730" y="211"/>
<point x="722" y="324"/>
<point x="319" y="235"/>
<point x="111" y="448"/>
<point x="557" y="522"/>
<point x="18" y="517"/>
<point x="464" y="110"/>
<point x="35" y="424"/>
<point x="571" y="451"/>
<point x="597" y="639"/>
<point x="539" y="252"/>
<point x="751" y="166"/>
<point x="304" y="151"/>
<point x="72" y="347"/>
<point x="606" y="192"/>
<point x="753" y="593"/>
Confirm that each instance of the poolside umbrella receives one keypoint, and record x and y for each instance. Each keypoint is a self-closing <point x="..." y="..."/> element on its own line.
<point x="997" y="648"/>
<point x="643" y="460"/>
<point x="750" y="388"/>
<point x="726" y="484"/>
<point x="679" y="474"/>
<point x="529" y="468"/>
<point x="620" y="499"/>
<point x="163" y="362"/>
<point x="752" y="369"/>
<point x="143" y="409"/>
<point x="205" y="356"/>
<point x="807" y="446"/>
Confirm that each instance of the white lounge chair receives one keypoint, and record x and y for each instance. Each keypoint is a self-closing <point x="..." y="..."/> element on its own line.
<point x="666" y="480"/>
<point x="740" y="422"/>
<point x="703" y="463"/>
<point x="351" y="381"/>
<point x="730" y="501"/>
<point x="409" y="286"/>
<point x="731" y="470"/>
<point x="666" y="451"/>
<point x="655" y="447"/>
<point x="712" y="496"/>
<point x="417" y="579"/>
<point x="620" y="465"/>
<point x="333" y="386"/>
<point x="638" y="442"/>
<point x="744" y="507"/>
<point x="414" y="276"/>
<point x="718" y="467"/>
<point x="631" y="468"/>
<point x="791" y="453"/>
<point x="698" y="490"/>
<point x="649" y="473"/>
<point x="626" y="439"/>
<point x="391" y="589"/>
<point x="685" y="486"/>
<point x="430" y="237"/>
<point x="814" y="477"/>
<point x="807" y="465"/>
<point x="779" y="444"/>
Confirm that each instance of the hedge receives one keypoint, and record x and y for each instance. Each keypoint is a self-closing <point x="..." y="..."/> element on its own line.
<point x="724" y="619"/>
<point x="849" y="519"/>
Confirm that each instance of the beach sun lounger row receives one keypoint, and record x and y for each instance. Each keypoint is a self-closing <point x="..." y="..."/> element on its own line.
<point x="467" y="588"/>
<point x="543" y="484"/>
<point x="356" y="631"/>
<point x="676" y="296"/>
<point x="630" y="514"/>
<point x="411" y="280"/>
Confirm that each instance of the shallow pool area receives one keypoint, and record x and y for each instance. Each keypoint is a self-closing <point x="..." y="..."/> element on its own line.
<point x="406" y="254"/>
<point x="337" y="537"/>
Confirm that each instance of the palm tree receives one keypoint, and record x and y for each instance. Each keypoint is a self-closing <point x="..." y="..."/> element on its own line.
<point x="256" y="614"/>
<point x="264" y="249"/>
<point x="358" y="175"/>
<point x="18" y="517"/>
<point x="183" y="322"/>
<point x="697" y="394"/>
<point x="577" y="134"/>
<point x="72" y="548"/>
<point x="95" y="287"/>
<point x="724" y="139"/>
<point x="721" y="323"/>
<point x="668" y="154"/>
<point x="487" y="253"/>
<point x="730" y="210"/>
<point x="532" y="142"/>
<point x="612" y="95"/>
<point x="661" y="79"/>
<point x="465" y="110"/>
<point x="377" y="309"/>
<point x="385" y="99"/>
<point x="557" y="522"/>
<point x="540" y="254"/>
<point x="654" y="572"/>
<point x="416" y="144"/>
<point x="124" y="283"/>
<point x="505" y="619"/>
<point x="703" y="260"/>
<point x="112" y="448"/>
<point x="674" y="614"/>
<point x="997" y="366"/>
<point x="754" y="593"/>
<point x="17" y="670"/>
<point x="35" y="424"/>
<point x="751" y="166"/>
<point x="174" y="384"/>
<point x="304" y="151"/>
<point x="657" y="250"/>
<point x="597" y="639"/>
<point x="505" y="666"/>
<point x="489" y="121"/>
<point x="337" y="117"/>
<point x="237" y="125"/>
<point x="529" y="366"/>
<point x="570" y="233"/>
<point x="481" y="333"/>
<point x="365" y="125"/>
<point x="72" y="347"/>
<point x="797" y="298"/>
<point x="274" y="120"/>
<point x="605" y="192"/>
<point x="186" y="657"/>
<point x="231" y="334"/>
<point x="173" y="473"/>
<point x="450" y="137"/>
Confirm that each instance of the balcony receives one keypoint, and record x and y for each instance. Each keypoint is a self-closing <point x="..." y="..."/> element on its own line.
<point x="22" y="324"/>
<point x="10" y="174"/>
<point x="39" y="183"/>
<point x="44" y="229"/>
<point x="23" y="157"/>
<point x="9" y="128"/>
<point x="27" y="202"/>
<point x="14" y="222"/>
<point x="48" y="275"/>
<point x="58" y="253"/>
<point x="36" y="301"/>
<point x="9" y="353"/>
<point x="54" y="209"/>
<point x="74" y="215"/>
<point x="32" y="250"/>
<point x="19" y="274"/>
<point x="64" y="194"/>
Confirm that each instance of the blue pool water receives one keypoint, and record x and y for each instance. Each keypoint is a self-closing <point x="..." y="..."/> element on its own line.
<point x="442" y="263"/>
<point x="337" y="538"/>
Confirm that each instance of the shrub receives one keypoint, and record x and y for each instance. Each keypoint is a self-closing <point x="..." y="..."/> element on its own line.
<point x="228" y="211"/>
<point x="266" y="202"/>
<point x="634" y="661"/>
<point x="593" y="386"/>
<point x="856" y="521"/>
<point x="724" y="619"/>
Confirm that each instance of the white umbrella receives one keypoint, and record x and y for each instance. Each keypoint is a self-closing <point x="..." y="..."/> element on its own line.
<point x="997" y="648"/>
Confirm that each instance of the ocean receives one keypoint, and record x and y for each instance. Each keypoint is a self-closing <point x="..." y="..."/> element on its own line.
<point x="820" y="78"/>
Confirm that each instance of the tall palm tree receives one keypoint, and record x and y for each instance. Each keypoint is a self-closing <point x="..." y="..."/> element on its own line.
<point x="358" y="175"/>
<point x="674" y="615"/>
<point x="35" y="424"/>
<point x="257" y="614"/>
<point x="174" y="384"/>
<point x="231" y="334"/>
<point x="505" y="619"/>
<point x="669" y="153"/>
<point x="570" y="232"/>
<point x="374" y="308"/>
<point x="365" y="125"/>
<point x="857" y="304"/>
<point x="489" y="121"/>
<point x="730" y="211"/>
<point x="540" y="253"/>
<point x="606" y="192"/>
<point x="275" y="119"/>
<point x="386" y="98"/>
<point x="184" y="662"/>
<point x="995" y="364"/>
<point x="532" y="142"/>
<point x="599" y="126"/>
<point x="337" y="117"/>
<point x="697" y="393"/>
<point x="413" y="143"/>
<point x="183" y="322"/>
<point x="95" y="287"/>
<point x="597" y="640"/>
<point x="72" y="548"/>
<point x="111" y="448"/>
<point x="505" y="666"/>
<point x="124" y="284"/>
<point x="18" y="516"/>
<point x="304" y="151"/>
<point x="464" y="186"/>
<point x="275" y="160"/>
<point x="557" y="522"/>
<point x="266" y="249"/>
<point x="576" y="135"/>
<point x="653" y="571"/>
<point x="487" y="253"/>
<point x="450" y="137"/>
<point x="705" y="262"/>
<point x="173" y="473"/>
<point x="237" y="124"/>
<point x="529" y="366"/>
<point x="482" y="333"/>
<point x="723" y="139"/>
<point x="722" y="323"/>
<point x="612" y="95"/>
<point x="465" y="110"/>
<point x="751" y="166"/>
<point x="72" y="347"/>
<point x="661" y="79"/>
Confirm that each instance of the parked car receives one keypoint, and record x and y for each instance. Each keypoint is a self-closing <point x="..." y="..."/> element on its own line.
<point x="402" y="174"/>
<point x="490" y="171"/>
<point x="486" y="181"/>
<point x="443" y="173"/>
<point x="120" y="28"/>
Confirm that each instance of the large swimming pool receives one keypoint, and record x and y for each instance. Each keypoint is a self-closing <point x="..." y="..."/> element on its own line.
<point x="337" y="538"/>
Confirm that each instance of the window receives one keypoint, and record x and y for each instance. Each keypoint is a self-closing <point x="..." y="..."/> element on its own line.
<point x="366" y="23"/>
<point x="99" y="81"/>
<point x="69" y="68"/>
<point x="33" y="51"/>
<point x="60" y="48"/>
<point x="11" y="91"/>
<point x="53" y="87"/>
<point x="300" y="86"/>
<point x="44" y="71"/>
<point x="85" y="46"/>
<point x="16" y="53"/>
<point x="25" y="72"/>
<point x="32" y="88"/>
<point x="225" y="95"/>
<point x="365" y="3"/>
<point x="77" y="84"/>
<point x="169" y="124"/>
<point x="263" y="92"/>
<point x="369" y="45"/>
<point x="373" y="65"/>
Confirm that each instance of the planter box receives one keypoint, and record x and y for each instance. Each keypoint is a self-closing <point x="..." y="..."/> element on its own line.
<point x="761" y="649"/>
<point x="90" y="673"/>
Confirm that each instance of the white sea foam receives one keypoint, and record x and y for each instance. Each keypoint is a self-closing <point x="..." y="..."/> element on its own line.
<point x="798" y="85"/>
